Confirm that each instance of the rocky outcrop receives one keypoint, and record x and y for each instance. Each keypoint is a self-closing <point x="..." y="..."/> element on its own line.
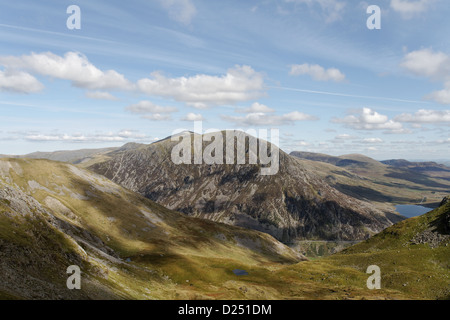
<point x="439" y="231"/>
<point x="446" y="218"/>
<point x="431" y="237"/>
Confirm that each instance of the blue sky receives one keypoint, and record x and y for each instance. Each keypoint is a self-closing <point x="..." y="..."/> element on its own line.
<point x="138" y="70"/>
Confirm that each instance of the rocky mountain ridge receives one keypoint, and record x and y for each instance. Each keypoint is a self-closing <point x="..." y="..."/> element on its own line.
<point x="293" y="204"/>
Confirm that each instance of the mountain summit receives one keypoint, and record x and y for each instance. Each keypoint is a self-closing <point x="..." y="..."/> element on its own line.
<point x="293" y="204"/>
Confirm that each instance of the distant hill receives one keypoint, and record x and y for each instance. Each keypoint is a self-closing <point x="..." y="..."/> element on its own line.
<point x="392" y="181"/>
<point x="444" y="162"/>
<point x="429" y="168"/>
<point x="81" y="156"/>
<point x="342" y="161"/>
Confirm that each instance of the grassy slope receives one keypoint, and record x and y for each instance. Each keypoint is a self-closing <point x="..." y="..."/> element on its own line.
<point x="416" y="269"/>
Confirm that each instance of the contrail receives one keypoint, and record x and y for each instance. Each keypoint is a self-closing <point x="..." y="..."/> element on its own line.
<point x="53" y="33"/>
<point x="347" y="95"/>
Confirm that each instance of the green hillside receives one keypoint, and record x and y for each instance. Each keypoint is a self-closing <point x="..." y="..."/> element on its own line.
<point x="413" y="255"/>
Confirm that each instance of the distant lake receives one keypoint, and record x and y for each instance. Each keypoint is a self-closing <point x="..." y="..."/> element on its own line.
<point x="239" y="272"/>
<point x="411" y="210"/>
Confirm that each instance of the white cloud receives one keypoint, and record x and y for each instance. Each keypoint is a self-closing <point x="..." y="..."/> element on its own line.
<point x="72" y="66"/>
<point x="300" y="143"/>
<point x="344" y="137"/>
<point x="425" y="116"/>
<point x="193" y="117"/>
<point x="445" y="141"/>
<point x="19" y="81"/>
<point x="256" y="108"/>
<point x="263" y="119"/>
<point x="239" y="84"/>
<point x="131" y="134"/>
<point x="144" y="107"/>
<point x="101" y="95"/>
<point x="441" y="96"/>
<point x="157" y="117"/>
<point x="433" y="65"/>
<point x="368" y="119"/>
<point x="333" y="9"/>
<point x="410" y="8"/>
<point x="298" y="116"/>
<point x="426" y="63"/>
<point x="151" y="111"/>
<point x="182" y="11"/>
<point x="122" y="136"/>
<point x="317" y="72"/>
<point x="372" y="140"/>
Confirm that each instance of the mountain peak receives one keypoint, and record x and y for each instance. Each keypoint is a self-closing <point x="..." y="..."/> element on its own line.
<point x="295" y="203"/>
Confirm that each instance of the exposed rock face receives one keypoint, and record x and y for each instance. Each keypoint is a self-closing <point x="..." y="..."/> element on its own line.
<point x="446" y="218"/>
<point x="430" y="237"/>
<point x="447" y="223"/>
<point x="292" y="204"/>
<point x="439" y="231"/>
<point x="445" y="201"/>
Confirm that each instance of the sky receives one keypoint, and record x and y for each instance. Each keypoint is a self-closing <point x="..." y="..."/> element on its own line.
<point x="136" y="71"/>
